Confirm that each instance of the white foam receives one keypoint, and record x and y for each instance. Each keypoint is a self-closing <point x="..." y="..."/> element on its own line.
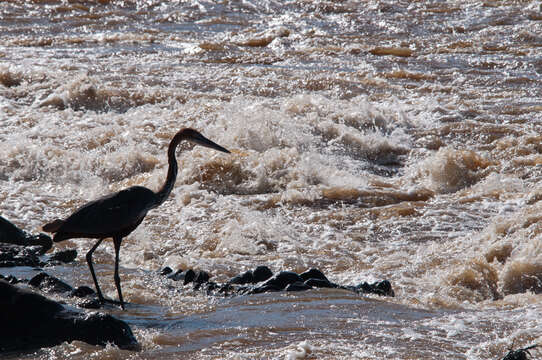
<point x="301" y="351"/>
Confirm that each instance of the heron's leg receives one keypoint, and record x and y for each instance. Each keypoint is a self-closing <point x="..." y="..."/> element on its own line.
<point x="117" y="241"/>
<point x="89" y="262"/>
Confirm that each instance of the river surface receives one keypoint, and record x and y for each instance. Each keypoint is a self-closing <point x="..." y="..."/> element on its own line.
<point x="373" y="140"/>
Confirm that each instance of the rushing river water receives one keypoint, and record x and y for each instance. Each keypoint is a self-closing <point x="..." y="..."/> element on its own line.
<point x="397" y="140"/>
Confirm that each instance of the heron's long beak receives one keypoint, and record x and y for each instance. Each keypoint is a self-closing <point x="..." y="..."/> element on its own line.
<point x="203" y="141"/>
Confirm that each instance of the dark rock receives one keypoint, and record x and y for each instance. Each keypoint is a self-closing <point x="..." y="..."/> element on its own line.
<point x="64" y="256"/>
<point x="320" y="283"/>
<point x="100" y="329"/>
<point x="298" y="286"/>
<point x="201" y="277"/>
<point x="380" y="288"/>
<point x="244" y="278"/>
<point x="32" y="321"/>
<point x="283" y="279"/>
<point x="261" y="273"/>
<point x="385" y="288"/>
<point x="264" y="288"/>
<point x="50" y="284"/>
<point x="241" y="290"/>
<point x="229" y="289"/>
<point x="313" y="274"/>
<point x="90" y="304"/>
<point x="189" y="276"/>
<point x="42" y="240"/>
<point x="166" y="270"/>
<point x="10" y="279"/>
<point x="18" y="255"/>
<point x="82" y="291"/>
<point x="11" y="234"/>
<point x="210" y="287"/>
<point x="349" y="288"/>
<point x="226" y="289"/>
<point x="276" y="283"/>
<point x="520" y="354"/>
<point x="177" y="275"/>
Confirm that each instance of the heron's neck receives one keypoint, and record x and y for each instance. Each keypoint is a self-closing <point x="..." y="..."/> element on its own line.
<point x="165" y="190"/>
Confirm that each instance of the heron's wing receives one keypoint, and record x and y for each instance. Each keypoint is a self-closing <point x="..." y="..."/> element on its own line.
<point x="111" y="213"/>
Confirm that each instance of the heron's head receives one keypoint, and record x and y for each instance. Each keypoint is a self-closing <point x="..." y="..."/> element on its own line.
<point x="195" y="137"/>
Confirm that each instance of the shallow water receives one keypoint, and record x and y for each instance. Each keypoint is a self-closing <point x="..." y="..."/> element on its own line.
<point x="373" y="140"/>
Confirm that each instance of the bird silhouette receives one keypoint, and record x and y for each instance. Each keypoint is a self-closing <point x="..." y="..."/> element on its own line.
<point x="118" y="214"/>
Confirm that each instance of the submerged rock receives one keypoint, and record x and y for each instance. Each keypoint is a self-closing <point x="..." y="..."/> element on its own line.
<point x="209" y="287"/>
<point x="320" y="283"/>
<point x="11" y="279"/>
<point x="31" y="321"/>
<point x="167" y="270"/>
<point x="18" y="255"/>
<point x="298" y="286"/>
<point x="278" y="282"/>
<point x="316" y="278"/>
<point x="201" y="277"/>
<point x="63" y="256"/>
<point x="263" y="289"/>
<point x="175" y="276"/>
<point x="82" y="291"/>
<point x="313" y="274"/>
<point x="11" y="234"/>
<point x="228" y="288"/>
<point x="49" y="284"/>
<point x="379" y="287"/>
<point x="90" y="304"/>
<point x="197" y="277"/>
<point x="284" y="280"/>
<point x="261" y="273"/>
<point x="242" y="279"/>
<point x="189" y="276"/>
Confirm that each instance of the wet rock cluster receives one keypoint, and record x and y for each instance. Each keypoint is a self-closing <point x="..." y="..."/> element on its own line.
<point x="262" y="280"/>
<point x="21" y="255"/>
<point x="84" y="296"/>
<point x="18" y="255"/>
<point x="30" y="320"/>
<point x="18" y="248"/>
<point x="11" y="234"/>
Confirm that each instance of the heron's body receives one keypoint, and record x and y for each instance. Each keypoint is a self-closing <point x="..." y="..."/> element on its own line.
<point x="118" y="214"/>
<point x="124" y="211"/>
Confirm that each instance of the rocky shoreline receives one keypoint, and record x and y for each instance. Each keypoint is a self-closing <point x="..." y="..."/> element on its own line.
<point x="32" y="321"/>
<point x="42" y="322"/>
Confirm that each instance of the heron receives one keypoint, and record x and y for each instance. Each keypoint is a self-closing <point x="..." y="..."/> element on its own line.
<point x="118" y="214"/>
